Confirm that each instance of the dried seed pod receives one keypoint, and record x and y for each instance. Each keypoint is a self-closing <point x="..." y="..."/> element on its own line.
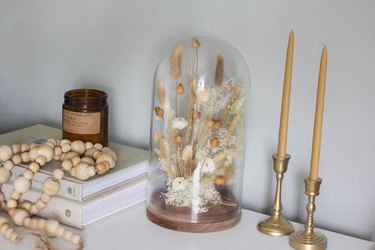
<point x="219" y="180"/>
<point x="179" y="138"/>
<point x="159" y="112"/>
<point x="196" y="115"/>
<point x="195" y="43"/>
<point x="214" y="142"/>
<point x="180" y="89"/>
<point x="210" y="122"/>
<point x="217" y="124"/>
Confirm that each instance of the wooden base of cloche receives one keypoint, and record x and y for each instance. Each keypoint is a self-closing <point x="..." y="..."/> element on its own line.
<point x="217" y="218"/>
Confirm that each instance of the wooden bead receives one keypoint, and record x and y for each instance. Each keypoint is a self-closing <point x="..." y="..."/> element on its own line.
<point x="53" y="142"/>
<point x="34" y="210"/>
<point x="34" y="223"/>
<point x="41" y="223"/>
<point x="50" y="227"/>
<point x="83" y="171"/>
<point x="51" y="186"/>
<point x="26" y="222"/>
<point x="11" y="203"/>
<point x="16" y="159"/>
<point x="47" y="152"/>
<point x="8" y="232"/>
<point x="4" y="175"/>
<point x="70" y="155"/>
<point x="18" y="215"/>
<point x="45" y="197"/>
<point x="76" y="160"/>
<point x="41" y="160"/>
<point x="34" y="153"/>
<point x="67" y="165"/>
<point x="6" y="153"/>
<point x="50" y="144"/>
<point x="16" y="148"/>
<point x="15" y="195"/>
<point x="8" y="165"/>
<point x="25" y="205"/>
<point x="78" y="146"/>
<point x="15" y="236"/>
<point x="88" y="145"/>
<point x="60" y="231"/>
<point x="58" y="151"/>
<point x="28" y="174"/>
<point x="88" y="160"/>
<point x="98" y="146"/>
<point x="67" y="235"/>
<point x="106" y="157"/>
<point x="101" y="168"/>
<point x="75" y="239"/>
<point x="34" y="166"/>
<point x="65" y="148"/>
<point x="22" y="185"/>
<point x="3" y="220"/>
<point x="90" y="152"/>
<point x="65" y="141"/>
<point x="58" y="173"/>
<point x="2" y="198"/>
<point x="25" y="147"/>
<point x="40" y="204"/>
<point x="25" y="157"/>
<point x="109" y="151"/>
<point x="4" y="227"/>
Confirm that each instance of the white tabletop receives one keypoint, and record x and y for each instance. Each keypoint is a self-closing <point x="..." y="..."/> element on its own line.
<point x="132" y="230"/>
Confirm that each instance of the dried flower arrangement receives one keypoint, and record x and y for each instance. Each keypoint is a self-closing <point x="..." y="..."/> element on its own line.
<point x="198" y="130"/>
<point x="81" y="160"/>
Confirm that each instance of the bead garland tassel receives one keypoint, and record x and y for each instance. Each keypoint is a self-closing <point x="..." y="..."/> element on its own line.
<point x="82" y="160"/>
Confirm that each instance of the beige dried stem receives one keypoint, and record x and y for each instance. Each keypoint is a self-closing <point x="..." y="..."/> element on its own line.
<point x="161" y="92"/>
<point x="176" y="58"/>
<point x="219" y="73"/>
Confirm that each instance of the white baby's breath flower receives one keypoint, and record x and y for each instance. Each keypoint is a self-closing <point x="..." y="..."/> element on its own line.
<point x="203" y="96"/>
<point x="179" y="183"/>
<point x="179" y="123"/>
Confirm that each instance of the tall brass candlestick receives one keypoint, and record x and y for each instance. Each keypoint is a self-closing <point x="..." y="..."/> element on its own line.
<point x="308" y="239"/>
<point x="276" y="225"/>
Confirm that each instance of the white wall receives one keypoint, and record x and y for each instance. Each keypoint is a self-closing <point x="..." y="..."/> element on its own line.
<point x="50" y="46"/>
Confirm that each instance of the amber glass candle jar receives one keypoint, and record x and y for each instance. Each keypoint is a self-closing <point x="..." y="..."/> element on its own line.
<point x="85" y="116"/>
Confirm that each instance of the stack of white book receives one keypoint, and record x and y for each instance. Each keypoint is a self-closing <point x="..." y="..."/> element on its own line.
<point x="81" y="203"/>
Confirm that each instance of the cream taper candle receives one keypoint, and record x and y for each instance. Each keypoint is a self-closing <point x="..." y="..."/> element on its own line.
<point x="284" y="115"/>
<point x="317" y="136"/>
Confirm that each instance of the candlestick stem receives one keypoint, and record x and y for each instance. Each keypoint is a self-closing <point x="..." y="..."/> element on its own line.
<point x="276" y="225"/>
<point x="308" y="239"/>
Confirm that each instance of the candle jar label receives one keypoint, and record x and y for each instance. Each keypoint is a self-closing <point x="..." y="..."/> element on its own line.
<point x="81" y="123"/>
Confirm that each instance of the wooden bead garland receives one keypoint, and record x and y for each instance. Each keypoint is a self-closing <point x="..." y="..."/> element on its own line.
<point x="81" y="160"/>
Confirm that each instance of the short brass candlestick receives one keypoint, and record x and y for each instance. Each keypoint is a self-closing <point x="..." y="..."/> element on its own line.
<point x="276" y="225"/>
<point x="308" y="239"/>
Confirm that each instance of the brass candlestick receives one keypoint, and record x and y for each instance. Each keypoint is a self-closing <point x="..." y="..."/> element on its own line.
<point x="276" y="225"/>
<point x="308" y="239"/>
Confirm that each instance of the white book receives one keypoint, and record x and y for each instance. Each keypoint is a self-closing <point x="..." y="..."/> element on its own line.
<point x="131" y="163"/>
<point x="80" y="214"/>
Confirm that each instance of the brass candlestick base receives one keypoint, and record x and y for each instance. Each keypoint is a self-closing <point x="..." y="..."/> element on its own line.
<point x="308" y="239"/>
<point x="276" y="225"/>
